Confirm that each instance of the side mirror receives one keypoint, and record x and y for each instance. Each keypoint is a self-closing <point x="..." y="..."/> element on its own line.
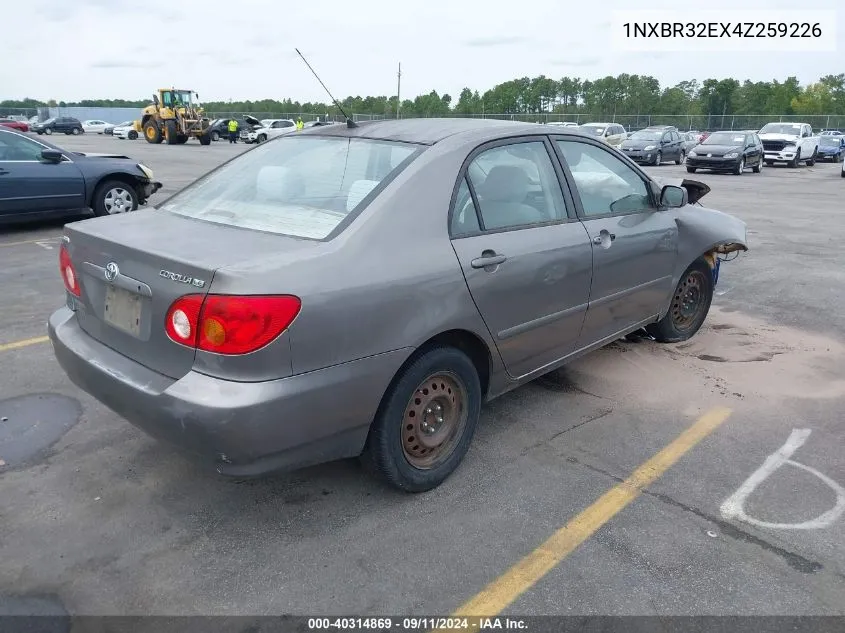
<point x="673" y="197"/>
<point x="51" y="155"/>
<point x="155" y="99"/>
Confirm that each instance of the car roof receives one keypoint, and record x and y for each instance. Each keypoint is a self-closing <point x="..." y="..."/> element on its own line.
<point x="427" y="131"/>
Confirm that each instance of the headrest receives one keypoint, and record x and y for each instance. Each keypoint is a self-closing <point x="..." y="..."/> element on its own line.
<point x="272" y="183"/>
<point x="505" y="183"/>
<point x="358" y="191"/>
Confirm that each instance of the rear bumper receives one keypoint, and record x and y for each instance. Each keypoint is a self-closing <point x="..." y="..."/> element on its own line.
<point x="239" y="429"/>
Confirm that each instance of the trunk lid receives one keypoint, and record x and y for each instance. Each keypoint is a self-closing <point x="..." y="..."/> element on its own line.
<point x="133" y="266"/>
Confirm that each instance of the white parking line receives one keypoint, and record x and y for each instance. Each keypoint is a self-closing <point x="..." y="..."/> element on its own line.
<point x="734" y="506"/>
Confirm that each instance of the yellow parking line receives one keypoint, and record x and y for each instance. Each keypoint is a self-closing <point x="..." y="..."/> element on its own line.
<point x="496" y="596"/>
<point x="24" y="343"/>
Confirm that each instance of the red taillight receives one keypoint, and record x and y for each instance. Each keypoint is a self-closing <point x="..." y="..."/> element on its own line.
<point x="230" y="324"/>
<point x="68" y="272"/>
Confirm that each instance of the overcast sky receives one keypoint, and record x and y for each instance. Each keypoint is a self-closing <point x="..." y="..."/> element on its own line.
<point x="75" y="49"/>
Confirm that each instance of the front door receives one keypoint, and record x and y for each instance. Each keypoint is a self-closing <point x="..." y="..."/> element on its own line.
<point x="634" y="243"/>
<point x="527" y="262"/>
<point x="27" y="184"/>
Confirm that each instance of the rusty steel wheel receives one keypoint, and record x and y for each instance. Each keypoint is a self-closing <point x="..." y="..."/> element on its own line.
<point x="689" y="307"/>
<point x="426" y="420"/>
<point x="435" y="418"/>
<point x="689" y="300"/>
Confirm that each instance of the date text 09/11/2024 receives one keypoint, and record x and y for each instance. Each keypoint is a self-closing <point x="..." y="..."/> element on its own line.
<point x="417" y="624"/>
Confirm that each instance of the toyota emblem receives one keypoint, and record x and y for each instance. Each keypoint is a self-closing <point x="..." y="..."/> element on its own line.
<point x="112" y="271"/>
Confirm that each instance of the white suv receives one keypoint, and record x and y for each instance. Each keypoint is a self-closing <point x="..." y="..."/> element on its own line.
<point x="270" y="128"/>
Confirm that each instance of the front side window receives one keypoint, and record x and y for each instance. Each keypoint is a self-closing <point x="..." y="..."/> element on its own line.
<point x="605" y="183"/>
<point x="299" y="186"/>
<point x="516" y="185"/>
<point x="19" y="148"/>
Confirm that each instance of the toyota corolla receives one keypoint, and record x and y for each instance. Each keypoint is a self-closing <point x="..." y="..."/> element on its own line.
<point x="362" y="290"/>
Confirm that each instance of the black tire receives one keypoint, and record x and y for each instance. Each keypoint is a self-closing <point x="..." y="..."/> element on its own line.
<point x="181" y="139"/>
<point x="205" y="139"/>
<point x="795" y="161"/>
<point x="678" y="325"/>
<point x="395" y="422"/>
<point x="77" y="130"/>
<point x="740" y="167"/>
<point x="842" y="173"/>
<point x="215" y="135"/>
<point x="170" y="134"/>
<point x="692" y="170"/>
<point x="769" y="163"/>
<point x="132" y="135"/>
<point x="100" y="204"/>
<point x="48" y="131"/>
<point x="837" y="158"/>
<point x="152" y="133"/>
<point x="681" y="158"/>
<point x="261" y="138"/>
<point x="812" y="160"/>
<point x="658" y="159"/>
<point x="758" y="167"/>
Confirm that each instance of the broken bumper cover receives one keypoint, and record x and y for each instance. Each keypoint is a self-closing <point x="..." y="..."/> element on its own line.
<point x="149" y="188"/>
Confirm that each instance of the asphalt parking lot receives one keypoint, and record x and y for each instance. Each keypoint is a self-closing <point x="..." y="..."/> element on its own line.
<point x="104" y="520"/>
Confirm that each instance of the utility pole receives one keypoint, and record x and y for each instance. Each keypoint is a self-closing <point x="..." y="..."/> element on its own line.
<point x="398" y="90"/>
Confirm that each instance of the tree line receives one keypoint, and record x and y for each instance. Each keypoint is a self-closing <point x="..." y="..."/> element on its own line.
<point x="621" y="95"/>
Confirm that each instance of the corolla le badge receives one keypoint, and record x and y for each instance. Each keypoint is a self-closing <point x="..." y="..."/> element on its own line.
<point x="112" y="271"/>
<point x="182" y="279"/>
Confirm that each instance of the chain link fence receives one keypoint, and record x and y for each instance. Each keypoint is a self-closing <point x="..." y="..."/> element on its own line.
<point x="701" y="122"/>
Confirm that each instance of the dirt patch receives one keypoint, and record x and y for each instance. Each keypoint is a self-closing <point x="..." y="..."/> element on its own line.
<point x="734" y="355"/>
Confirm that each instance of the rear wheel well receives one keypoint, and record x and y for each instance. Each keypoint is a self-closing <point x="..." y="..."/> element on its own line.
<point x="124" y="178"/>
<point x="469" y="344"/>
<point x="463" y="340"/>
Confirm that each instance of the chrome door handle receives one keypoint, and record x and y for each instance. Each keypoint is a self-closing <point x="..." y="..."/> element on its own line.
<point x="486" y="261"/>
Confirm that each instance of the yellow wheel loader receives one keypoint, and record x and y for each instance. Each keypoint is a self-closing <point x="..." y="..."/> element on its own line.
<point x="174" y="116"/>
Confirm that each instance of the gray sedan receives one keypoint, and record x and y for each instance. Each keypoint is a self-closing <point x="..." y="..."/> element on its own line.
<point x="361" y="290"/>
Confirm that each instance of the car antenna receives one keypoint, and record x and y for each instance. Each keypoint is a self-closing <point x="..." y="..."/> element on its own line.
<point x="349" y="122"/>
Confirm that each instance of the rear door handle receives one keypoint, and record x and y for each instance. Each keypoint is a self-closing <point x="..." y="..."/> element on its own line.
<point x="486" y="260"/>
<point x="598" y="239"/>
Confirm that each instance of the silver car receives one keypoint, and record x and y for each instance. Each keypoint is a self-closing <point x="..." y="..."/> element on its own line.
<point x="364" y="289"/>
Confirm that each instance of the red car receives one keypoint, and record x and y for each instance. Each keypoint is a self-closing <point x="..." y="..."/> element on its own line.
<point x="20" y="126"/>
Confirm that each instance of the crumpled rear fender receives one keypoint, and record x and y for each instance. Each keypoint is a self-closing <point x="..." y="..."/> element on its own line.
<point x="707" y="233"/>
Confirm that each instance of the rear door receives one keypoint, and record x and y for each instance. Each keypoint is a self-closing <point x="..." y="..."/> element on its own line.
<point x="634" y="243"/>
<point x="29" y="185"/>
<point x="526" y="259"/>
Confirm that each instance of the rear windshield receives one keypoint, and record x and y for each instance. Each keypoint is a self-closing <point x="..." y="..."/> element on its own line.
<point x="297" y="186"/>
<point x="593" y="129"/>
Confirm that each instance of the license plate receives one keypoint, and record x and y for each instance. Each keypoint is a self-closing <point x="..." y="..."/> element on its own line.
<point x="123" y="310"/>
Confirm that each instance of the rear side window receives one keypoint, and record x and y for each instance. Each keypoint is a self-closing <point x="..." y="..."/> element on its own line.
<point x="464" y="215"/>
<point x="302" y="186"/>
<point x="516" y="185"/>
